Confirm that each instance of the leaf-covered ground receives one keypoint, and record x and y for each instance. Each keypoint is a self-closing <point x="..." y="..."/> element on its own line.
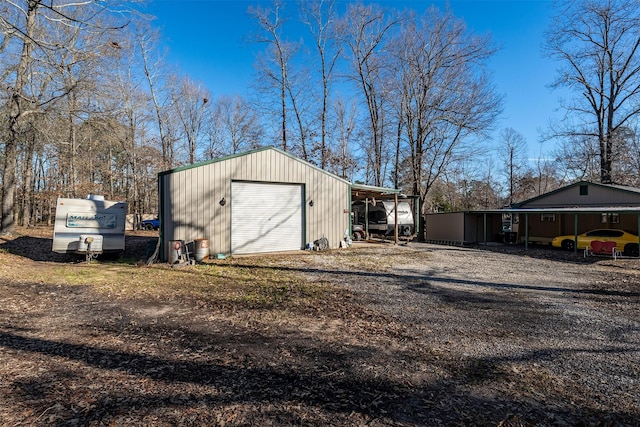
<point x="378" y="335"/>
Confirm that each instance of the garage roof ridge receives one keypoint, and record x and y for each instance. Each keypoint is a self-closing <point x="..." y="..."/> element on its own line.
<point x="363" y="187"/>
<point x="246" y="153"/>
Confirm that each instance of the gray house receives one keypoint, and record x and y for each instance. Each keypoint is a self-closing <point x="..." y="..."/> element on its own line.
<point x="265" y="200"/>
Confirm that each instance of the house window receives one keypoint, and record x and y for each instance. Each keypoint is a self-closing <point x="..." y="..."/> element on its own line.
<point x="546" y="217"/>
<point x="611" y="218"/>
<point x="584" y="190"/>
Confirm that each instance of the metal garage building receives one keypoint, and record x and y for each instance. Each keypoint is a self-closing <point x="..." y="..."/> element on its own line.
<point x="264" y="200"/>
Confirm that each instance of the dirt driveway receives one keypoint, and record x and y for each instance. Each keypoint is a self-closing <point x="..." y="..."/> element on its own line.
<point x="377" y="335"/>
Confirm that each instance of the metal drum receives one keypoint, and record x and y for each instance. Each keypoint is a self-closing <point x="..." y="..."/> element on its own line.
<point x="174" y="251"/>
<point x="201" y="249"/>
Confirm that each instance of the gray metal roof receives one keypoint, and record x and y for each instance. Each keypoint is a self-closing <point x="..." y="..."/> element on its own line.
<point x="622" y="188"/>
<point x="361" y="191"/>
<point x="608" y="209"/>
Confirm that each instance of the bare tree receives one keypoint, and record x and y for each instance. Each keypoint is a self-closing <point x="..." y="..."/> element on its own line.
<point x="628" y="155"/>
<point x="512" y="151"/>
<point x="547" y="170"/>
<point x="238" y="125"/>
<point x="447" y="100"/>
<point x="132" y="117"/>
<point x="597" y="43"/>
<point x="190" y="102"/>
<point x="20" y="103"/>
<point x="364" y="31"/>
<point x="35" y="32"/>
<point x="214" y="134"/>
<point x="467" y="183"/>
<point x="273" y="66"/>
<point x="320" y="17"/>
<point x="152" y="67"/>
<point x="578" y="156"/>
<point x="340" y="159"/>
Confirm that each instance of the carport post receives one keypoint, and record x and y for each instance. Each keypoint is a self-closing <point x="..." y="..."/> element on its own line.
<point x="526" y="231"/>
<point x="575" y="233"/>
<point x="418" y="220"/>
<point x="366" y="216"/>
<point x="484" y="226"/>
<point x="395" y="228"/>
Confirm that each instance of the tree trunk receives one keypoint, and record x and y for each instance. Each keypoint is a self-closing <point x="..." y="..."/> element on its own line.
<point x="16" y="112"/>
<point x="9" y="178"/>
<point x="28" y="183"/>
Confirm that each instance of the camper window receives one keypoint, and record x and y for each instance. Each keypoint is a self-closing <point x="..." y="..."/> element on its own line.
<point x="377" y="216"/>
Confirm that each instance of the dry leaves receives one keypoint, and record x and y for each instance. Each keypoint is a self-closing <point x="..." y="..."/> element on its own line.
<point x="311" y="339"/>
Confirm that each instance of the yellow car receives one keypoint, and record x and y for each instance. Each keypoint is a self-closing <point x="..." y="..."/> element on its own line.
<point x="625" y="242"/>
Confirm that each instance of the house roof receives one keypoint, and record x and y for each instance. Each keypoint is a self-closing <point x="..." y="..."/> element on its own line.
<point x="621" y="188"/>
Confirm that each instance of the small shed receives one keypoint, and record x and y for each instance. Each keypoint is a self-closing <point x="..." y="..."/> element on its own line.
<point x="463" y="227"/>
<point x="265" y="200"/>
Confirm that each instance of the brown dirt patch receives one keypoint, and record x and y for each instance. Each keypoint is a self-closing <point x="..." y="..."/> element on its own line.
<point x="379" y="335"/>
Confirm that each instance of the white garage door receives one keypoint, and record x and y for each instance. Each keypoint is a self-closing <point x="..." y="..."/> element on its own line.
<point x="265" y="217"/>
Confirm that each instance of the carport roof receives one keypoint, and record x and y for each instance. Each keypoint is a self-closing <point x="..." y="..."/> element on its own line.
<point x="576" y="209"/>
<point x="361" y="192"/>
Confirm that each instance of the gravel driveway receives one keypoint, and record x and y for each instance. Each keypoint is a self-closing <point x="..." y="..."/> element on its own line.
<point x="544" y="320"/>
<point x="377" y="335"/>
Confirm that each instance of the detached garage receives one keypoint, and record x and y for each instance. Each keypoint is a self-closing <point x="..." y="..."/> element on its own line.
<point x="262" y="201"/>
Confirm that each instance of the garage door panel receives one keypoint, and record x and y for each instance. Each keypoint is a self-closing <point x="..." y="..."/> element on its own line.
<point x="265" y="217"/>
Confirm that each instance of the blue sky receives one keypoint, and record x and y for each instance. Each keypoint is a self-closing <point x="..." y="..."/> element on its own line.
<point x="207" y="40"/>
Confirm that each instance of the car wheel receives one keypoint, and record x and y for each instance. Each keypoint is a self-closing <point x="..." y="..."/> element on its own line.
<point x="631" y="250"/>
<point x="356" y="236"/>
<point x="568" y="245"/>
<point x="148" y="227"/>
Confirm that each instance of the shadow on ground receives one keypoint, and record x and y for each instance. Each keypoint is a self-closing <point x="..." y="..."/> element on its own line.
<point x="254" y="378"/>
<point x="39" y="248"/>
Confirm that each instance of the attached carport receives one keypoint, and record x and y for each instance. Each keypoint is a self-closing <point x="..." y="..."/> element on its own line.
<point x="367" y="193"/>
<point x="577" y="213"/>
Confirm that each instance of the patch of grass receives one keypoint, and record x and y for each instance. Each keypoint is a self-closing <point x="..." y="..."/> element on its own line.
<point x="248" y="284"/>
<point x="266" y="282"/>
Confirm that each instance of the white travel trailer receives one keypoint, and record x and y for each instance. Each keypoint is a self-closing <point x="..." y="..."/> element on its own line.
<point x="380" y="217"/>
<point x="89" y="226"/>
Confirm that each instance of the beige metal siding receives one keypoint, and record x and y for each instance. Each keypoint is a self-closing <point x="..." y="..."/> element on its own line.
<point x="191" y="207"/>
